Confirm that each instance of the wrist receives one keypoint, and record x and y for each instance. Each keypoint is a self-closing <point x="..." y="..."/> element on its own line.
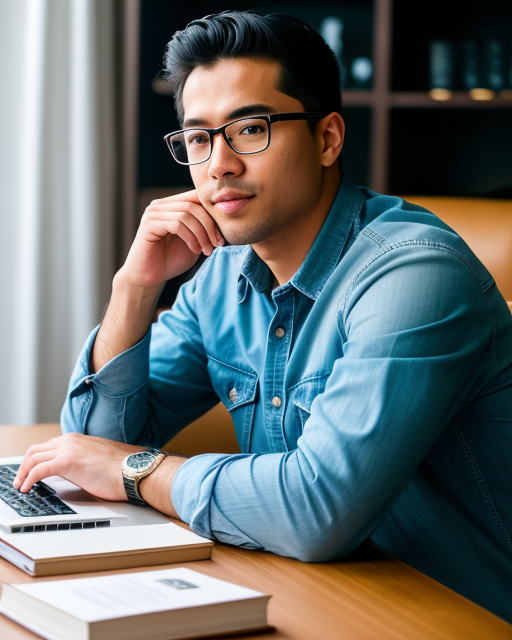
<point x="127" y="320"/>
<point x="156" y="488"/>
<point x="132" y="307"/>
<point x="124" y="289"/>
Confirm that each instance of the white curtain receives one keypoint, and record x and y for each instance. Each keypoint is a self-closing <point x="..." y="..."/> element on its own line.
<point x="60" y="192"/>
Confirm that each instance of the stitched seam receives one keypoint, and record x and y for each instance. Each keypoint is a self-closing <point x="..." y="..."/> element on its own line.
<point x="484" y="489"/>
<point x="378" y="239"/>
<point x="120" y="410"/>
<point x="121" y="394"/>
<point x="384" y="244"/>
<point x="85" y="409"/>
<point x="317" y="376"/>
<point x="495" y="365"/>
<point x="230" y="366"/>
<point x="247" y="429"/>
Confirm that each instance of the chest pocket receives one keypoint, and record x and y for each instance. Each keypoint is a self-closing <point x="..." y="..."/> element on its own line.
<point x="304" y="392"/>
<point x="237" y="390"/>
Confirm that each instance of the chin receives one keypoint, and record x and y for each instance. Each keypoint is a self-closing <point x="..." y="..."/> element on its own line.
<point x="243" y="238"/>
<point x="237" y="234"/>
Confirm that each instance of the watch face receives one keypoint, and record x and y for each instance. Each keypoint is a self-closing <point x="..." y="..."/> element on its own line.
<point x="140" y="461"/>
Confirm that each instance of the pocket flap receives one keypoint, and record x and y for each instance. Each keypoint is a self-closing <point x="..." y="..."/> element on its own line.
<point x="305" y="391"/>
<point x="234" y="386"/>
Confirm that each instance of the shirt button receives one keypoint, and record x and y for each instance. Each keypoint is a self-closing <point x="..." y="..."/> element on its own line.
<point x="276" y="401"/>
<point x="233" y="395"/>
<point x="280" y="332"/>
<point x="88" y="380"/>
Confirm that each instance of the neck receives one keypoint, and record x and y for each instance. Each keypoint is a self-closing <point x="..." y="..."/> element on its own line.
<point x="285" y="253"/>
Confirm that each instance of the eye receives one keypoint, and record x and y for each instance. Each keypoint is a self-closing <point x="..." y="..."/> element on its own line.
<point x="251" y="130"/>
<point x="197" y="138"/>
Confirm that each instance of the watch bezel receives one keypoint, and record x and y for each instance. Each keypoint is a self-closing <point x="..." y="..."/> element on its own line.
<point x="132" y="472"/>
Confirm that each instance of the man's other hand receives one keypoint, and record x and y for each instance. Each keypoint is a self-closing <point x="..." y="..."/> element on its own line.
<point x="172" y="234"/>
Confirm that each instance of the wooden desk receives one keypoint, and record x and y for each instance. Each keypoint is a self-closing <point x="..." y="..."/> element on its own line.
<point x="366" y="596"/>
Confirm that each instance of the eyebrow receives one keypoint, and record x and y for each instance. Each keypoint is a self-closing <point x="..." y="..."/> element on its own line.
<point x="241" y="112"/>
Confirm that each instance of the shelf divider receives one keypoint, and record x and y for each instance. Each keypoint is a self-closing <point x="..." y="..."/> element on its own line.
<point x="382" y="38"/>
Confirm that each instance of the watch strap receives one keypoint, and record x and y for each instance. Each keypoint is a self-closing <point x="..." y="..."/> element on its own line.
<point x="132" y="493"/>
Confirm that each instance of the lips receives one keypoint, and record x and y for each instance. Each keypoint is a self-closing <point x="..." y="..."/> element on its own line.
<point x="231" y="201"/>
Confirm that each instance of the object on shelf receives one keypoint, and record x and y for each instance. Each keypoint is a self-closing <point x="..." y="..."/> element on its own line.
<point x="471" y="77"/>
<point x="477" y="67"/>
<point x="361" y="70"/>
<point x="494" y="64"/>
<point x="441" y="71"/>
<point x="474" y="78"/>
<point x="331" y="30"/>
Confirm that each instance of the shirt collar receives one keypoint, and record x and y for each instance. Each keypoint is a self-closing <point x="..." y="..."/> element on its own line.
<point x="328" y="248"/>
<point x="252" y="270"/>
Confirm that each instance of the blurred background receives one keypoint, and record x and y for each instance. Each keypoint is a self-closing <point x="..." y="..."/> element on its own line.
<point x="427" y="94"/>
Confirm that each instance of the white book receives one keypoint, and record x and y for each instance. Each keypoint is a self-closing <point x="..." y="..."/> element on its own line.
<point x="59" y="552"/>
<point x="153" y="605"/>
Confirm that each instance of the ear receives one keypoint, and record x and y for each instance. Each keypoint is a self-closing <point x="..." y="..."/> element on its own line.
<point x="331" y="133"/>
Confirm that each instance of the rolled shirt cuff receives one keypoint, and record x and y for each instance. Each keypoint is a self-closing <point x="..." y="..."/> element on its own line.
<point x="193" y="486"/>
<point x="122" y="376"/>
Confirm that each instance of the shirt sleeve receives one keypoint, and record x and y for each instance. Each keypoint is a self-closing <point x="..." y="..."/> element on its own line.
<point x="148" y="393"/>
<point x="415" y="330"/>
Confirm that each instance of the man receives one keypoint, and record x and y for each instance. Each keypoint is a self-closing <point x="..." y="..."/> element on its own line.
<point x="364" y="352"/>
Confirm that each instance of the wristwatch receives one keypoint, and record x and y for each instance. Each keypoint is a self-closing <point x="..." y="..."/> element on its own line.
<point x="137" y="466"/>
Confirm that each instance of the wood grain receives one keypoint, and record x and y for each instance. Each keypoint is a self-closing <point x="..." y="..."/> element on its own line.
<point x="367" y="596"/>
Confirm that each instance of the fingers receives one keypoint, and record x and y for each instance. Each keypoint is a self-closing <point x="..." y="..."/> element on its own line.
<point x="158" y="229"/>
<point x="192" y="231"/>
<point x="77" y="458"/>
<point x="39" y="463"/>
<point x="191" y="217"/>
<point x="42" y="470"/>
<point x="30" y="472"/>
<point x="189" y="196"/>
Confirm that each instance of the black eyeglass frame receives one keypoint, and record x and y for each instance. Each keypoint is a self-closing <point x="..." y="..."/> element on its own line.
<point x="274" y="117"/>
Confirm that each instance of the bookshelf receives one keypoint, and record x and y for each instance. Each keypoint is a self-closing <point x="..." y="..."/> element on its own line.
<point x="399" y="139"/>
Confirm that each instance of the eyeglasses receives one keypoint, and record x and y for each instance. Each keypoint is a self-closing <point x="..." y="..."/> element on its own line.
<point x="244" y="136"/>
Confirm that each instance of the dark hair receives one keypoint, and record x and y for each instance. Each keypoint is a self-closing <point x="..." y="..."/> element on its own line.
<point x="310" y="71"/>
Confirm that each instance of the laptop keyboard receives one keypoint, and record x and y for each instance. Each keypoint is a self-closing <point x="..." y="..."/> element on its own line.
<point x="39" y="501"/>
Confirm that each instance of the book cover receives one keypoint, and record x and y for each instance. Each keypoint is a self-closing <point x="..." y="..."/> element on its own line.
<point x="154" y="605"/>
<point x="61" y="552"/>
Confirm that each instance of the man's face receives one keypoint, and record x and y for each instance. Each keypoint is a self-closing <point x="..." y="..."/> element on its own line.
<point x="263" y="196"/>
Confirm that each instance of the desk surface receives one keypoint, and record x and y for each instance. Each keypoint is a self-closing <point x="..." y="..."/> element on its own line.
<point x="369" y="595"/>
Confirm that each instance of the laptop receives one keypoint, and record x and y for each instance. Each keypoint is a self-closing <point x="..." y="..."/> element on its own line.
<point x="57" y="504"/>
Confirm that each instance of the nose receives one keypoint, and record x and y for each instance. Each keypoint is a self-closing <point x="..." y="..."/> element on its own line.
<point x="224" y="161"/>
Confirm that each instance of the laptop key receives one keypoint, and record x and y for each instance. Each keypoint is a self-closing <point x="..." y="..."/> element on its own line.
<point x="39" y="501"/>
<point x="43" y="490"/>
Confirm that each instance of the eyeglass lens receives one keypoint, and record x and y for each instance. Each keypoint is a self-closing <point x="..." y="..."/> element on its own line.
<point x="193" y="146"/>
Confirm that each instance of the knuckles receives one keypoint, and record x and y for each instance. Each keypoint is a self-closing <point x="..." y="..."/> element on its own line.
<point x="72" y="436"/>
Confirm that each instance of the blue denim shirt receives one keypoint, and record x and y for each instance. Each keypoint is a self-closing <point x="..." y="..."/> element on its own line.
<point x="371" y="397"/>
